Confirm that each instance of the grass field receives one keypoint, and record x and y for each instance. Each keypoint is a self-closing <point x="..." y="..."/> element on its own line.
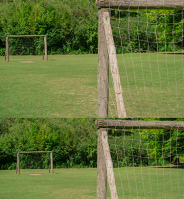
<point x="64" y="183"/>
<point x="153" y="84"/>
<point x="82" y="183"/>
<point x="66" y="86"/>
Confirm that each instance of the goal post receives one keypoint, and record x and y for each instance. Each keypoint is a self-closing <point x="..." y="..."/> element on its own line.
<point x="26" y="36"/>
<point x="140" y="4"/>
<point x="142" y="153"/>
<point x="148" y="82"/>
<point x="33" y="152"/>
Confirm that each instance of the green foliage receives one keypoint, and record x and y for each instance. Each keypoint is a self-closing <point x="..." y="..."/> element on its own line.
<point x="70" y="26"/>
<point x="162" y="28"/>
<point x="72" y="141"/>
<point x="145" y="147"/>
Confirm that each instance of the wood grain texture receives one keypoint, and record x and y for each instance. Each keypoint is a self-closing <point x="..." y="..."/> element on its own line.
<point x="141" y="4"/>
<point x="45" y="48"/>
<point x="51" y="162"/>
<point x="18" y="164"/>
<point x="129" y="124"/>
<point x="101" y="169"/>
<point x="114" y="66"/>
<point x="7" y="50"/>
<point x="103" y="70"/>
<point x="109" y="165"/>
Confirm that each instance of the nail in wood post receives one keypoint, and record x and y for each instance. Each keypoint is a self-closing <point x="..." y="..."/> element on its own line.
<point x="103" y="70"/>
<point x="101" y="167"/>
<point x="45" y="45"/>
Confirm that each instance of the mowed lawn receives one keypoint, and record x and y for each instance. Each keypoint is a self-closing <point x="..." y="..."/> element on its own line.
<point x="66" y="86"/>
<point x="64" y="183"/>
<point x="82" y="183"/>
<point x="150" y="182"/>
<point x="153" y="84"/>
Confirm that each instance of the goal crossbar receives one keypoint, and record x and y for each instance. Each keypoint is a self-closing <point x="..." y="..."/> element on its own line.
<point x="21" y="152"/>
<point x="18" y="36"/>
<point x="130" y="124"/>
<point x="141" y="4"/>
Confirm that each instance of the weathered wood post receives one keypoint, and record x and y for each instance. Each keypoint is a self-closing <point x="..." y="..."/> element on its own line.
<point x="103" y="96"/>
<point x="103" y="70"/>
<point x="45" y="47"/>
<point x="110" y="45"/>
<point x="51" y="162"/>
<point x="18" y="164"/>
<point x="109" y="165"/>
<point x="102" y="170"/>
<point x="7" y="49"/>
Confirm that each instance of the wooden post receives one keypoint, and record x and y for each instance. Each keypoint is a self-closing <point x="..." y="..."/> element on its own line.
<point x="109" y="165"/>
<point x="101" y="167"/>
<point x="114" y="65"/>
<point x="129" y="124"/>
<point x="51" y="162"/>
<point x="103" y="70"/>
<point x="18" y="164"/>
<point x="7" y="49"/>
<point x="45" y="47"/>
<point x="141" y="4"/>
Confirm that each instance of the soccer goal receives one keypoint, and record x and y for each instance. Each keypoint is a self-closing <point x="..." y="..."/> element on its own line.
<point x="34" y="160"/>
<point x="26" y="45"/>
<point x="140" y="159"/>
<point x="142" y="41"/>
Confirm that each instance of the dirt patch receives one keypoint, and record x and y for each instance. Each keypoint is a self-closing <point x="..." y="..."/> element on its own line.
<point x="35" y="174"/>
<point x="26" y="61"/>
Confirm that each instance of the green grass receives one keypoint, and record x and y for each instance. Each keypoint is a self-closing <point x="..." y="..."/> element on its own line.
<point x="66" y="86"/>
<point x="153" y="85"/>
<point x="149" y="182"/>
<point x="82" y="183"/>
<point x="64" y="183"/>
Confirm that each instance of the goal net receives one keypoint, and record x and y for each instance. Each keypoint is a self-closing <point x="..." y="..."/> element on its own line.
<point x="24" y="45"/>
<point x="149" y="51"/>
<point x="148" y="163"/>
<point x="34" y="160"/>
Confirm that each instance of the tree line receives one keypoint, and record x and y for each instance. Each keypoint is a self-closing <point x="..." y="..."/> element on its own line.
<point x="72" y="26"/>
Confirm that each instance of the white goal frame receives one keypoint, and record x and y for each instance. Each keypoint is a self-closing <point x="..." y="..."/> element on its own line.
<point x="15" y="36"/>
<point x="21" y="152"/>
